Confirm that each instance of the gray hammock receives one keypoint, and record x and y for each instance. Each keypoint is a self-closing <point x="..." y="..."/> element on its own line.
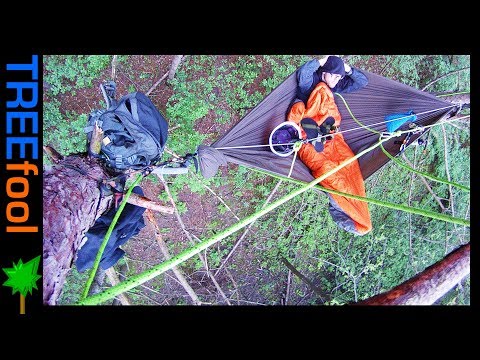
<point x="370" y="105"/>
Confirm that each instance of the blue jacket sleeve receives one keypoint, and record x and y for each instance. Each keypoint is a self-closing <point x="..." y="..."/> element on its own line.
<point x="307" y="78"/>
<point x="355" y="81"/>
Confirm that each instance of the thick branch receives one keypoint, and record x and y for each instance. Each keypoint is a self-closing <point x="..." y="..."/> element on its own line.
<point x="156" y="84"/>
<point x="246" y="230"/>
<point x="430" y="285"/>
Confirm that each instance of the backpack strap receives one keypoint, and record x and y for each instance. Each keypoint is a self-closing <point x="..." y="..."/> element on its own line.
<point x="119" y="161"/>
<point x="108" y="90"/>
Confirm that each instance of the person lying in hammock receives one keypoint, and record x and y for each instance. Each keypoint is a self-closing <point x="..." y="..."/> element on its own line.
<point x="333" y="71"/>
<point x="319" y="119"/>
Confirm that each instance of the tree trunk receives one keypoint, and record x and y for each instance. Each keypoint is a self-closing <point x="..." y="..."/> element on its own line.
<point x="71" y="204"/>
<point x="455" y="98"/>
<point x="430" y="285"/>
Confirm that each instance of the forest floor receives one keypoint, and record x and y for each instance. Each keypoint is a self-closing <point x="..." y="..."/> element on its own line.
<point x="244" y="280"/>
<point x="247" y="283"/>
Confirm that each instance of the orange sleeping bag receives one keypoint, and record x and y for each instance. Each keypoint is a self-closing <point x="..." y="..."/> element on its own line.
<point x="350" y="214"/>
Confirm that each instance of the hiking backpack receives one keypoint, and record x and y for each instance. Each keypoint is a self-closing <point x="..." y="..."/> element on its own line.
<point x="134" y="131"/>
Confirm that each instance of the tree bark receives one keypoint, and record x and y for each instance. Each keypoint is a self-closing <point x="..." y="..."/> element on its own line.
<point x="430" y="285"/>
<point x="71" y="204"/>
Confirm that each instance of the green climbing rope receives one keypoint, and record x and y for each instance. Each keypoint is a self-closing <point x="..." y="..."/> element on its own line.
<point x="107" y="236"/>
<point x="428" y="176"/>
<point x="398" y="162"/>
<point x="409" y="209"/>
<point x="354" y="118"/>
<point x="203" y="245"/>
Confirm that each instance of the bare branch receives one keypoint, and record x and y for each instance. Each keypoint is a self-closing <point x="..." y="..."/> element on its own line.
<point x="287" y="292"/>
<point x="189" y="236"/>
<point x="156" y="84"/>
<point x="114" y="280"/>
<point x="166" y="254"/>
<point x="218" y="197"/>
<point x="114" y="67"/>
<point x="436" y="198"/>
<point x="444" y="76"/>
<point x="303" y="278"/>
<point x="246" y="230"/>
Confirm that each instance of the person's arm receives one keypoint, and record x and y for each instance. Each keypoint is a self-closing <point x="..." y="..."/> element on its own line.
<point x="354" y="80"/>
<point x="306" y="79"/>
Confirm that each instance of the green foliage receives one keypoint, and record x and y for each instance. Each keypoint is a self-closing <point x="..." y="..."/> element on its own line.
<point x="65" y="73"/>
<point x="73" y="287"/>
<point x="63" y="129"/>
<point x="282" y="66"/>
<point x="420" y="70"/>
<point x="346" y="267"/>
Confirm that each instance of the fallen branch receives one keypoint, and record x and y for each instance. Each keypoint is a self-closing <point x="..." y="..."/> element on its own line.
<point x="237" y="291"/>
<point x="114" y="67"/>
<point x="218" y="197"/>
<point x="246" y="230"/>
<point x="114" y="280"/>
<point x="173" y="67"/>
<point x="166" y="254"/>
<point x="287" y="292"/>
<point x="156" y="84"/>
<point x="189" y="236"/>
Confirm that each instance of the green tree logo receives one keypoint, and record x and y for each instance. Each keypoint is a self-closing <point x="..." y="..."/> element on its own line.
<point x="22" y="278"/>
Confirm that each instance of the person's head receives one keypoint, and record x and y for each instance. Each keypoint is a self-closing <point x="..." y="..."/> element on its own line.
<point x="333" y="70"/>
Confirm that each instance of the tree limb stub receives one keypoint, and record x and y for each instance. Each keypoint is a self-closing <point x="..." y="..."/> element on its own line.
<point x="142" y="201"/>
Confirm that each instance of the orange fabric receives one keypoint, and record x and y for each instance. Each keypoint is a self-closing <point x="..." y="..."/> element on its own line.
<point x="349" y="179"/>
<point x="320" y="105"/>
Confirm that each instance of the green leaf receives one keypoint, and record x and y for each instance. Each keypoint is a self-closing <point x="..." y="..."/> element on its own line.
<point x="23" y="277"/>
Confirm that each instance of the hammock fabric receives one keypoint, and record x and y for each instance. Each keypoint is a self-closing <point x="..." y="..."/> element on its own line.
<point x="370" y="105"/>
